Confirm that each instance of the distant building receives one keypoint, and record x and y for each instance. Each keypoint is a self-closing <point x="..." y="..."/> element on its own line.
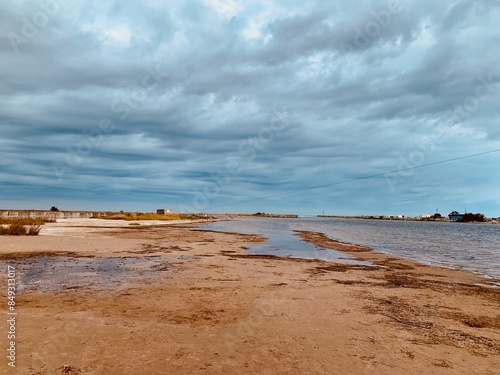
<point x="425" y="216"/>
<point x="455" y="216"/>
<point x="163" y="211"/>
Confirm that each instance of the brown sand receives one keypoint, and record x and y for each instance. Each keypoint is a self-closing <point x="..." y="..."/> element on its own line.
<point x="226" y="312"/>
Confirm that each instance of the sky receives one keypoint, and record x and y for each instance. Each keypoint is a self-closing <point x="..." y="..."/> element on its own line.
<point x="346" y="107"/>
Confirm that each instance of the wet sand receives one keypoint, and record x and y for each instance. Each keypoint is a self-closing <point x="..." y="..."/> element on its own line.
<point x="204" y="306"/>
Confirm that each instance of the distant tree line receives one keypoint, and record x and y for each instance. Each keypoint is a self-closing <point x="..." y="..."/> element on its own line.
<point x="467" y="218"/>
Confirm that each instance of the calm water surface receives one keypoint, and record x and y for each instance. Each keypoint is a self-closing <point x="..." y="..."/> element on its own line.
<point x="471" y="247"/>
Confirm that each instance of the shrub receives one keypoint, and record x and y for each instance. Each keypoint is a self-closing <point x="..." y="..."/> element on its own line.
<point x="14" y="230"/>
<point x="22" y="226"/>
<point x="473" y="217"/>
<point x="33" y="230"/>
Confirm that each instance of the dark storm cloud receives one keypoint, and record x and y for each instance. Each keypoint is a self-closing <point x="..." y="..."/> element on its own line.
<point x="203" y="103"/>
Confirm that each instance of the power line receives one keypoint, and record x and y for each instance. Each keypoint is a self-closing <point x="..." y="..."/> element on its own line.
<point x="354" y="179"/>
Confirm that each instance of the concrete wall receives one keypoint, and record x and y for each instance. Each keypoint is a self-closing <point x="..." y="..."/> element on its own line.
<point x="52" y="214"/>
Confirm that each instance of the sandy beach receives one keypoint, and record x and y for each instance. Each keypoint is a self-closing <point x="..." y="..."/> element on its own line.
<point x="102" y="297"/>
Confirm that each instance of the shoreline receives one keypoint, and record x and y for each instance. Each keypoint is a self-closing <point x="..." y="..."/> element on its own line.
<point x="439" y="263"/>
<point x="368" y="254"/>
<point x="192" y="302"/>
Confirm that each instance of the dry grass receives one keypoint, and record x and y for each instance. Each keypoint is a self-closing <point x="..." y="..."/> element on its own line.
<point x="22" y="226"/>
<point x="25" y="221"/>
<point x="19" y="230"/>
<point x="33" y="230"/>
<point x="128" y="216"/>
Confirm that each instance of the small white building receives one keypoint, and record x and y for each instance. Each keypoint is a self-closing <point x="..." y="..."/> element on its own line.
<point x="163" y="211"/>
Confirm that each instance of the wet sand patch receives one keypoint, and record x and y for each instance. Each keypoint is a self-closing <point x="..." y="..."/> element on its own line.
<point x="52" y="272"/>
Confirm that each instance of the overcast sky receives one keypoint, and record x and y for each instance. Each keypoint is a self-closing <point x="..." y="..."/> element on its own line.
<point x="209" y="105"/>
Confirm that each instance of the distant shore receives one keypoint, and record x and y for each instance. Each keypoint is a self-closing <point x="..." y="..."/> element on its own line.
<point x="69" y="214"/>
<point x="438" y="220"/>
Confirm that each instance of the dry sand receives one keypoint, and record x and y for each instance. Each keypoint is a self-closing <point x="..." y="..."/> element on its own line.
<point x="209" y="308"/>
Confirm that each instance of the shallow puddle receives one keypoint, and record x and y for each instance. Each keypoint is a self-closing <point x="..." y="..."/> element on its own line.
<point x="49" y="273"/>
<point x="289" y="245"/>
<point x="285" y="243"/>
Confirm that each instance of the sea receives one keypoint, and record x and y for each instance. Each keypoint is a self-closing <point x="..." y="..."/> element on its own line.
<point x="465" y="246"/>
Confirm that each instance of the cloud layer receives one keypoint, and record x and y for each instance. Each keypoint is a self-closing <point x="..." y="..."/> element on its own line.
<point x="201" y="105"/>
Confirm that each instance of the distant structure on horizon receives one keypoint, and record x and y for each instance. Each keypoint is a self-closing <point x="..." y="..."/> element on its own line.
<point x="455" y="216"/>
<point x="163" y="211"/>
